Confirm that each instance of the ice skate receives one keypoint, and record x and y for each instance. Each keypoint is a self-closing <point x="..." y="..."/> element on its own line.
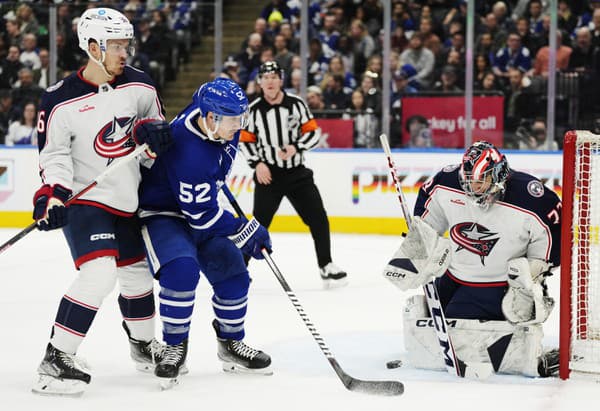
<point x="548" y="363"/>
<point x="333" y="276"/>
<point x="145" y="354"/>
<point x="239" y="358"/>
<point x="61" y="374"/>
<point x="172" y="365"/>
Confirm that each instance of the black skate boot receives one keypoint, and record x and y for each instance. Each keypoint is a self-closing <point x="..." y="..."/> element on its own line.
<point x="237" y="357"/>
<point x="333" y="276"/>
<point x="172" y="364"/>
<point x="61" y="374"/>
<point x="548" y="363"/>
<point x="145" y="354"/>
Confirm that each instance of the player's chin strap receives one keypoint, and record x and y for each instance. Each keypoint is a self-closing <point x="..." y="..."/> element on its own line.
<point x="212" y="133"/>
<point x="100" y="62"/>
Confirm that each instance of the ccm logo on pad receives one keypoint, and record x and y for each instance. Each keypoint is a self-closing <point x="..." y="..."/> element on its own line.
<point x="102" y="236"/>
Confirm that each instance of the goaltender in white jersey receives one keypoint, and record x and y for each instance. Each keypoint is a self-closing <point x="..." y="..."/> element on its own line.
<point x="503" y="237"/>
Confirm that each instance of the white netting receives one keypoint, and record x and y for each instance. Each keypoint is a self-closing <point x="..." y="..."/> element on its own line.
<point x="585" y="265"/>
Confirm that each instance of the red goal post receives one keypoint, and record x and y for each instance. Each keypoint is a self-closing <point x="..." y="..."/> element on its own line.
<point x="580" y="255"/>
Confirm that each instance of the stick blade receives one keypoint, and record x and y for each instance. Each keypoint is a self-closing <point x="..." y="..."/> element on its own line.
<point x="387" y="388"/>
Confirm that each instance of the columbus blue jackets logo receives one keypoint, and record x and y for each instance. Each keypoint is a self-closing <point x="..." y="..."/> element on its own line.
<point x="474" y="238"/>
<point x="115" y="138"/>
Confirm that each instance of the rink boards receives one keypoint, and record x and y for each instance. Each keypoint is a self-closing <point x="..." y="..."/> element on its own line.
<point x="355" y="184"/>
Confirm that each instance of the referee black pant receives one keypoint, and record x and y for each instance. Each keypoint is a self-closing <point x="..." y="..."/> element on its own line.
<point x="298" y="186"/>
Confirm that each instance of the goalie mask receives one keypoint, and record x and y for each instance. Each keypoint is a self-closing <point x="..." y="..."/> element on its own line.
<point x="226" y="100"/>
<point x="483" y="173"/>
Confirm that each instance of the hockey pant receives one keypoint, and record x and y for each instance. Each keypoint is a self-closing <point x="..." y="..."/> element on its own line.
<point x="510" y="349"/>
<point x="177" y="260"/>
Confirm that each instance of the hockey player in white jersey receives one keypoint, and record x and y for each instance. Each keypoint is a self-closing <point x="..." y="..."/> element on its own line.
<point x="86" y="121"/>
<point x="504" y="236"/>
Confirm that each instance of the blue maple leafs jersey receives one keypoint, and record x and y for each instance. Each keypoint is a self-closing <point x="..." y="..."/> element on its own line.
<point x="82" y="127"/>
<point x="185" y="181"/>
<point x="524" y="223"/>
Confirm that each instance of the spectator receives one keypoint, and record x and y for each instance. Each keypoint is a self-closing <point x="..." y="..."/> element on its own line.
<point x="534" y="138"/>
<point x="336" y="66"/>
<point x="563" y="53"/>
<point x="295" y="79"/>
<point x="596" y="28"/>
<point x="21" y="131"/>
<point x="484" y="45"/>
<point x="363" y="45"/>
<point x="329" y="36"/>
<point x="293" y="44"/>
<point x="500" y="10"/>
<point x="26" y="90"/>
<point x="365" y="123"/>
<point x="399" y="42"/>
<point x="6" y="113"/>
<point x="29" y="55"/>
<point x="334" y="96"/>
<point x="401" y="17"/>
<point x="29" y="23"/>
<point x="371" y="93"/>
<point x="9" y="68"/>
<point x="403" y="84"/>
<point x="430" y="39"/>
<point x="514" y="55"/>
<point x="482" y="67"/>
<point x="249" y="58"/>
<point x="534" y="14"/>
<point x="314" y="98"/>
<point x="567" y="21"/>
<point x="489" y="83"/>
<point x="13" y="34"/>
<point x="584" y="57"/>
<point x="448" y="81"/>
<point x="41" y="76"/>
<point x="231" y="69"/>
<point x="279" y="5"/>
<point x="498" y="35"/>
<point x="420" y="58"/>
<point x="528" y="40"/>
<point x="282" y="55"/>
<point x="317" y="63"/>
<point x="418" y="129"/>
<point x="518" y="100"/>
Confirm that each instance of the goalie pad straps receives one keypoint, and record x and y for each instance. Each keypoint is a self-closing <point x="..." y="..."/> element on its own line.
<point x="526" y="301"/>
<point x="422" y="255"/>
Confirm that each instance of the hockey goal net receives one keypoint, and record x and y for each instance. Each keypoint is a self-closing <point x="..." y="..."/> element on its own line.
<point x="580" y="255"/>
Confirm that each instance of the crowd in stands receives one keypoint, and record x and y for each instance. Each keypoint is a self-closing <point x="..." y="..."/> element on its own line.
<point x="428" y="56"/>
<point x="164" y="31"/>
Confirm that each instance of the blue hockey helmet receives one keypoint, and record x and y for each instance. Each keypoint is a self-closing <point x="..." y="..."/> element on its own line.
<point x="483" y="173"/>
<point x="226" y="100"/>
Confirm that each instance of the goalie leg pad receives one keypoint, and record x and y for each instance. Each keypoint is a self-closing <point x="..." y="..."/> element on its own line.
<point x="510" y="349"/>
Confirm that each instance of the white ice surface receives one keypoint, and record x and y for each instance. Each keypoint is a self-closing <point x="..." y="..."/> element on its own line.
<point x="360" y="323"/>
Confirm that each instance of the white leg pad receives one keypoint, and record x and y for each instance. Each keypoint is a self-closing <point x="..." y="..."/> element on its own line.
<point x="516" y="351"/>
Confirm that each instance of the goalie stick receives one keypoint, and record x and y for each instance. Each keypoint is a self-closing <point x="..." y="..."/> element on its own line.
<point x="107" y="172"/>
<point x="351" y="383"/>
<point x="453" y="364"/>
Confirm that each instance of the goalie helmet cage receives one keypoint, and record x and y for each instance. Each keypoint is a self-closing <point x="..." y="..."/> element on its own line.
<point x="580" y="256"/>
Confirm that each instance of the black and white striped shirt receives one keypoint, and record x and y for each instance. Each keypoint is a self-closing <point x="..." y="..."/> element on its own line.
<point x="274" y="126"/>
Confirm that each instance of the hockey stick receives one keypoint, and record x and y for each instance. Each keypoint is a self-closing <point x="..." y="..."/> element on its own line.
<point x="351" y="383"/>
<point x="453" y="364"/>
<point x="107" y="172"/>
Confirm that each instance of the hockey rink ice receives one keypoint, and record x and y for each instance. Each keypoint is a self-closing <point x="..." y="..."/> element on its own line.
<point x="361" y="324"/>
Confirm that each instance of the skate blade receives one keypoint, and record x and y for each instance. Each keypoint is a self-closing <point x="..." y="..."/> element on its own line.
<point x="332" y="284"/>
<point x="166" y="384"/>
<point x="146" y="367"/>
<point x="235" y="368"/>
<point x="50" y="386"/>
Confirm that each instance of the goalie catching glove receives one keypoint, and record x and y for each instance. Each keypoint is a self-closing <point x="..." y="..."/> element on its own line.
<point x="154" y="132"/>
<point x="526" y="300"/>
<point x="422" y="255"/>
<point x="252" y="238"/>
<point x="49" y="209"/>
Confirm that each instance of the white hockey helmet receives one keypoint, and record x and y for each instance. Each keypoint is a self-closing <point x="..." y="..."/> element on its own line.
<point x="102" y="24"/>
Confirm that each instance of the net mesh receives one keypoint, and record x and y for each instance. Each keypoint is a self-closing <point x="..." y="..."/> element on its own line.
<point x="585" y="264"/>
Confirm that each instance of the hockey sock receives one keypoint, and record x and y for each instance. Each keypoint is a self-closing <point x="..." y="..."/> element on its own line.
<point x="229" y="302"/>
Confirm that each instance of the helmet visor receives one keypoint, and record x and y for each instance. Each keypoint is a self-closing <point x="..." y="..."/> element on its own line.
<point x="117" y="47"/>
<point x="234" y="122"/>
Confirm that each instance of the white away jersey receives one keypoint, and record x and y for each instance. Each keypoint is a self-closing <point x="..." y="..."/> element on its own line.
<point x="83" y="127"/>
<point x="524" y="223"/>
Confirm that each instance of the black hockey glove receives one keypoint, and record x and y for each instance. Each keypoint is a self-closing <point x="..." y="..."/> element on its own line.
<point x="156" y="133"/>
<point x="49" y="208"/>
<point x="252" y="238"/>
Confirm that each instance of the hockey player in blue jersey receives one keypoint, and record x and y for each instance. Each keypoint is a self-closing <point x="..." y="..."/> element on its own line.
<point x="504" y="236"/>
<point x="187" y="232"/>
<point x="85" y="122"/>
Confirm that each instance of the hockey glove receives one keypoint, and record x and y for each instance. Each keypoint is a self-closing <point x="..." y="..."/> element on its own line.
<point x="252" y="238"/>
<point x="156" y="133"/>
<point x="526" y="300"/>
<point x="49" y="206"/>
<point x="422" y="255"/>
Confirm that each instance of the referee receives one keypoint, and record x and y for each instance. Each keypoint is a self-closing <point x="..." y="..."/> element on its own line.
<point x="280" y="129"/>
